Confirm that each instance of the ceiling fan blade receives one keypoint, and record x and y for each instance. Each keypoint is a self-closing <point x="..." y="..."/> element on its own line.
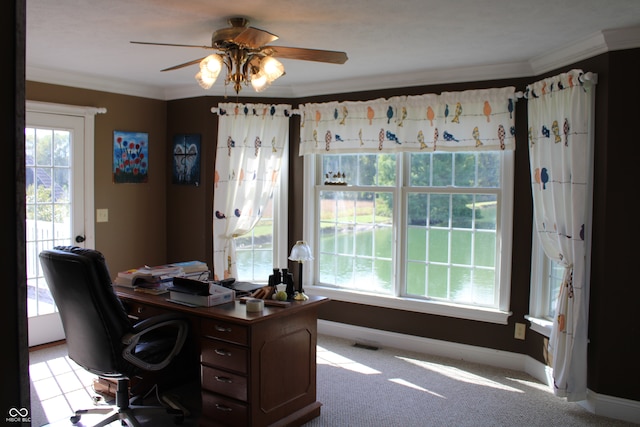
<point x="186" y="64"/>
<point x="331" y="56"/>
<point x="254" y="38"/>
<point x="171" y="44"/>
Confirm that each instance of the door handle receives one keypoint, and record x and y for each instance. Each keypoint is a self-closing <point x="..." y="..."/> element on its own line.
<point x="80" y="239"/>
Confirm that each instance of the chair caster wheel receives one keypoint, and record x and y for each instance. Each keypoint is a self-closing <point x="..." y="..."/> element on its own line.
<point x="74" y="419"/>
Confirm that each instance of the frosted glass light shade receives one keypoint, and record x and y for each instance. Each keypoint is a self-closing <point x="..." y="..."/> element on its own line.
<point x="259" y="81"/>
<point x="272" y="68"/>
<point x="209" y="70"/>
<point x="301" y="252"/>
<point x="212" y="64"/>
<point x="204" y="80"/>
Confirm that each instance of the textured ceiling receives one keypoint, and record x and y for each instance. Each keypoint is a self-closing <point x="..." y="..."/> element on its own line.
<point x="85" y="43"/>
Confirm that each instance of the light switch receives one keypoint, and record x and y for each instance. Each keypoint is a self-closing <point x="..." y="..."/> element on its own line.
<point x="102" y="215"/>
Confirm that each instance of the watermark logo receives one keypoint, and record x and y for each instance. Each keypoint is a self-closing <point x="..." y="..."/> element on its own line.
<point x="18" y="415"/>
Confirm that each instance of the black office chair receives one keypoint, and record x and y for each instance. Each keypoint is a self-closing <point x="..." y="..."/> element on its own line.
<point x="100" y="336"/>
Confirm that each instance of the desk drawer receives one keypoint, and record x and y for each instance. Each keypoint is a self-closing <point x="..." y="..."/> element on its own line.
<point x="223" y="382"/>
<point x="225" y="331"/>
<point x="224" y="411"/>
<point x="224" y="355"/>
<point x="137" y="311"/>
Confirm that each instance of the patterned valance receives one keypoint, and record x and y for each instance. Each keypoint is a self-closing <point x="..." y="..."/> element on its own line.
<point x="452" y="121"/>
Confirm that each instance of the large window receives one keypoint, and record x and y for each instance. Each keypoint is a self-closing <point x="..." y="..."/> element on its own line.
<point x="420" y="231"/>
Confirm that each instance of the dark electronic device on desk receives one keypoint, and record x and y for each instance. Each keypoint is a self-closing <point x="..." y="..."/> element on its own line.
<point x="241" y="288"/>
<point x="190" y="286"/>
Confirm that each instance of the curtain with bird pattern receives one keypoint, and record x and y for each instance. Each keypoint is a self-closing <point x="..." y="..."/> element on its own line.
<point x="452" y="121"/>
<point x="560" y="123"/>
<point x="252" y="139"/>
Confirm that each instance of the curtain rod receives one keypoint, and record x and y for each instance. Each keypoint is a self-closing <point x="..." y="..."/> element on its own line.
<point x="588" y="76"/>
<point x="216" y="110"/>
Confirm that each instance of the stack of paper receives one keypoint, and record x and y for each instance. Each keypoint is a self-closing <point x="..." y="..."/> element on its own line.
<point x="193" y="269"/>
<point x="148" y="276"/>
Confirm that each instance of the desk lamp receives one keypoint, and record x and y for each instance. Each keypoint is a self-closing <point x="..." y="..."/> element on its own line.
<point x="300" y="252"/>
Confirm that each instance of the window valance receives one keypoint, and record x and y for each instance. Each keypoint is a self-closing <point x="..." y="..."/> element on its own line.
<point x="452" y="121"/>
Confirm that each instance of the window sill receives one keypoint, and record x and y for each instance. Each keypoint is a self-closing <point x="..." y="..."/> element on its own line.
<point x="481" y="314"/>
<point x="541" y="326"/>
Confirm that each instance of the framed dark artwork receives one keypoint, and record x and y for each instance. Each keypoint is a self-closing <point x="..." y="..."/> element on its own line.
<point x="186" y="159"/>
<point x="130" y="157"/>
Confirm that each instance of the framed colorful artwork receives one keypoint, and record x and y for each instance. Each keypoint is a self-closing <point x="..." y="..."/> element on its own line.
<point x="130" y="157"/>
<point x="186" y="159"/>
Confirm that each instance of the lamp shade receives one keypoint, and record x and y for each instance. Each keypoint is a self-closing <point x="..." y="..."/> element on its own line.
<point x="301" y="252"/>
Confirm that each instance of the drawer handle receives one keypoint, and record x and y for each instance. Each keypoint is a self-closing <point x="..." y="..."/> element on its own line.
<point x="140" y="310"/>
<point x="222" y="329"/>
<point x="223" y="379"/>
<point x="221" y="352"/>
<point x="223" y="408"/>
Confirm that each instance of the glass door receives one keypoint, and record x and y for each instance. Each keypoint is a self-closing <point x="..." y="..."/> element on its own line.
<point x="54" y="159"/>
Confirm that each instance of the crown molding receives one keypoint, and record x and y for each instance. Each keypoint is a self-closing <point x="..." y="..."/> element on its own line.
<point x="596" y="44"/>
<point x="622" y="38"/>
<point x="91" y="82"/>
<point x="419" y="78"/>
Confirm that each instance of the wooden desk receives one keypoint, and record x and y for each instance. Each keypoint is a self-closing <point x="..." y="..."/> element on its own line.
<point x="257" y="369"/>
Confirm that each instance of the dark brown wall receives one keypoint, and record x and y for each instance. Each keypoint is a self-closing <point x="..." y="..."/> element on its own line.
<point x="614" y="333"/>
<point x="136" y="232"/>
<point x="186" y="233"/>
<point x="189" y="208"/>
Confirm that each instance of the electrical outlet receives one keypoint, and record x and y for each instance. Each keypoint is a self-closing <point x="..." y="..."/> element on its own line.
<point x="102" y="215"/>
<point x="520" y="331"/>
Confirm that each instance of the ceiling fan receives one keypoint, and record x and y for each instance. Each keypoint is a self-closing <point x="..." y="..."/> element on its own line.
<point x="248" y="58"/>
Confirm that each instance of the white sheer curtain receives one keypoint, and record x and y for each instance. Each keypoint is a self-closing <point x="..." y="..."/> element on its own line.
<point x="252" y="139"/>
<point x="560" y="143"/>
<point x="452" y="121"/>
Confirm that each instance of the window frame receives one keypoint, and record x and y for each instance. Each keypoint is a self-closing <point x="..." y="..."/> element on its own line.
<point x="504" y="233"/>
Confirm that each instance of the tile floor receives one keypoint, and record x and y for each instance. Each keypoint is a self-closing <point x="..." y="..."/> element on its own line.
<point x="58" y="386"/>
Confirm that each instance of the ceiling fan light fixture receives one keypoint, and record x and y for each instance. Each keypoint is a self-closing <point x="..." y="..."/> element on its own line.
<point x="245" y="53"/>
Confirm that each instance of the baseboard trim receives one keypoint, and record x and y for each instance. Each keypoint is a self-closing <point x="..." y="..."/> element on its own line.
<point x="607" y="406"/>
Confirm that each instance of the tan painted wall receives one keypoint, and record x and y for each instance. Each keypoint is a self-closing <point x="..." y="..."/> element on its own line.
<point x="136" y="232"/>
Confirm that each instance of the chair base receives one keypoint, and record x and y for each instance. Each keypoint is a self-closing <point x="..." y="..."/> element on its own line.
<point x="125" y="410"/>
<point x="126" y="415"/>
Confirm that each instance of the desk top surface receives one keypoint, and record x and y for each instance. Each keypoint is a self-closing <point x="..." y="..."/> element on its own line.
<point x="234" y="310"/>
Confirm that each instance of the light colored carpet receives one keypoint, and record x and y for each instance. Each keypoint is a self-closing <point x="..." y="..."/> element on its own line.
<point x="360" y="387"/>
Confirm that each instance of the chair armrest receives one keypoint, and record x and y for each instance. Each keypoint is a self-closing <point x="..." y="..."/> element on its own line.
<point x="143" y="327"/>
